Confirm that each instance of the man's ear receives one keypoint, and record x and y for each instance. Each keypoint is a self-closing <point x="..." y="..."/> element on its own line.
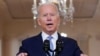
<point x="38" y="21"/>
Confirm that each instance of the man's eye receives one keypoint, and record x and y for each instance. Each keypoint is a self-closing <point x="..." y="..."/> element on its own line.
<point x="52" y="14"/>
<point x="45" y="15"/>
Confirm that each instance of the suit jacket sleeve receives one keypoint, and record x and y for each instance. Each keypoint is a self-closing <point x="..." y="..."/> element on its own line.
<point x="23" y="48"/>
<point x="77" y="51"/>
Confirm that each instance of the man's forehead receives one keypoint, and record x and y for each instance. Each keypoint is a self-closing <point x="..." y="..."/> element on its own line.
<point x="48" y="5"/>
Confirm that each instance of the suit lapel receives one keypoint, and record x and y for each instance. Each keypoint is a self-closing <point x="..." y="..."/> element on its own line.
<point x="40" y="43"/>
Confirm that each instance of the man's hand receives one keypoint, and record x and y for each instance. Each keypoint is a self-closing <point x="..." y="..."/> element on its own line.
<point x="84" y="55"/>
<point x="22" y="54"/>
<point x="25" y="54"/>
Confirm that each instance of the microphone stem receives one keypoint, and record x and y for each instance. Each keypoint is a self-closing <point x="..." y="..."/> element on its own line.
<point x="53" y="53"/>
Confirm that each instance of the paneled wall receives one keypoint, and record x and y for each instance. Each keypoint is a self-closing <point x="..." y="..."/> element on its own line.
<point x="0" y="48"/>
<point x="15" y="42"/>
<point x="94" y="49"/>
<point x="1" y="28"/>
<point x="1" y="34"/>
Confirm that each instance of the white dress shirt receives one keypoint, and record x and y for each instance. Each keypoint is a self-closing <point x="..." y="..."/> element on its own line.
<point x="54" y="35"/>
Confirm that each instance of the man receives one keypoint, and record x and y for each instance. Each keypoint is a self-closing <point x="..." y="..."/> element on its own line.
<point x="49" y="20"/>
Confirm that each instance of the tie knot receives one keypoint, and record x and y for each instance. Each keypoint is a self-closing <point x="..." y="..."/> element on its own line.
<point x="50" y="37"/>
<point x="51" y="42"/>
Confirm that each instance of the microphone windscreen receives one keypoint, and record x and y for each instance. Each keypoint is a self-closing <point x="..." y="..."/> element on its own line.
<point x="46" y="45"/>
<point x="59" y="45"/>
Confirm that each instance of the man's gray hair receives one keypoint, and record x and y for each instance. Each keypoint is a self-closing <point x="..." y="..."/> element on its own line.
<point x="49" y="3"/>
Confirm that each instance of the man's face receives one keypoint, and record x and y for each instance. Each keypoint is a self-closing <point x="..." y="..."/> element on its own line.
<point x="48" y="18"/>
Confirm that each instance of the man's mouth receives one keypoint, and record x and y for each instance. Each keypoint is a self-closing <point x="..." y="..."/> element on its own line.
<point x="49" y="24"/>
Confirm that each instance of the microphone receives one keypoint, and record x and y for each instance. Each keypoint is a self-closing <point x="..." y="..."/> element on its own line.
<point x="59" y="47"/>
<point x="46" y="46"/>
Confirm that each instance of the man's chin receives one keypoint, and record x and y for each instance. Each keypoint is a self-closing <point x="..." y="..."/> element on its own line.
<point x="51" y="30"/>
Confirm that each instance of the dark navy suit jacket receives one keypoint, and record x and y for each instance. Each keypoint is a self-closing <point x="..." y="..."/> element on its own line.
<point x="34" y="46"/>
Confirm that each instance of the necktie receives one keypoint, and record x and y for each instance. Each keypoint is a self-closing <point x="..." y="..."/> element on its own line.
<point x="51" y="45"/>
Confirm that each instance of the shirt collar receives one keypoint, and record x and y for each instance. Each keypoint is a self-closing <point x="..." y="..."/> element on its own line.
<point x="45" y="35"/>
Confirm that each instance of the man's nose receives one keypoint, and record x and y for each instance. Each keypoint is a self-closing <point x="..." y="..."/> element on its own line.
<point x="49" y="18"/>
